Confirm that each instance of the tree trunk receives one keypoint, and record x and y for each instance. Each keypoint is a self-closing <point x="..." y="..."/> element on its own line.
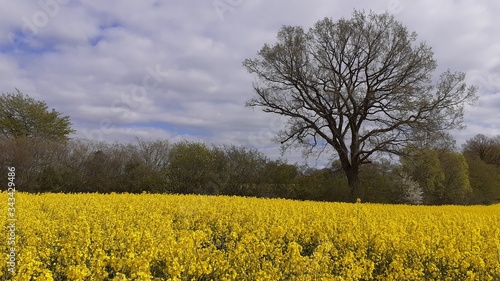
<point x="352" y="173"/>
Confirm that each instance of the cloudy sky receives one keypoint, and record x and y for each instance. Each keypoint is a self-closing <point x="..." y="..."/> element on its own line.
<point x="173" y="69"/>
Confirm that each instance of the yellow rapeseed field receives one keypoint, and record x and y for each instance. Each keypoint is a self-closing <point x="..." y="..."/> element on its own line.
<point x="177" y="237"/>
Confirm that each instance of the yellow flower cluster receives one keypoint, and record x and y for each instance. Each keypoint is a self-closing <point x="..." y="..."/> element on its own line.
<point x="177" y="237"/>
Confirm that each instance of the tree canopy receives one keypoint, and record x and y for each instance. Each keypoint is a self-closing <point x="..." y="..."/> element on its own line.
<point x="24" y="117"/>
<point x="360" y="86"/>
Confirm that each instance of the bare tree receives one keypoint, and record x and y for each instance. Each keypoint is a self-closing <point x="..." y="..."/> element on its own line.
<point x="360" y="86"/>
<point x="154" y="153"/>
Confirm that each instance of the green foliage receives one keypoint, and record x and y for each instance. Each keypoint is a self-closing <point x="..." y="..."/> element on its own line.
<point x="279" y="179"/>
<point x="456" y="182"/>
<point x="442" y="175"/>
<point x="328" y="184"/>
<point x="482" y="154"/>
<point x="424" y="167"/>
<point x="380" y="182"/>
<point x="191" y="169"/>
<point x="485" y="181"/>
<point x="241" y="169"/>
<point x="22" y="116"/>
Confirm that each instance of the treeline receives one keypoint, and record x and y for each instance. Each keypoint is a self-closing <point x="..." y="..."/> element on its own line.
<point x="425" y="176"/>
<point x="155" y="166"/>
